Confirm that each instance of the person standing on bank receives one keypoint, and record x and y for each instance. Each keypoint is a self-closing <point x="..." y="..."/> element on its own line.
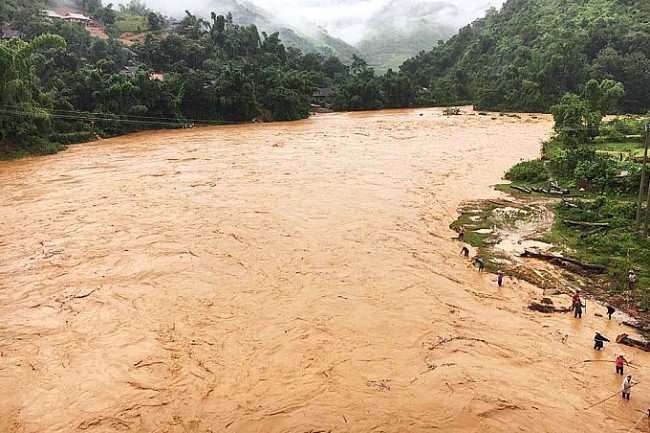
<point x="500" y="278"/>
<point x="620" y="361"/>
<point x="480" y="263"/>
<point x="610" y="310"/>
<point x="599" y="340"/>
<point x="631" y="279"/>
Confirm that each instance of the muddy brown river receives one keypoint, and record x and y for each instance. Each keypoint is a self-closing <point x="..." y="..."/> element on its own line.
<point x="285" y="277"/>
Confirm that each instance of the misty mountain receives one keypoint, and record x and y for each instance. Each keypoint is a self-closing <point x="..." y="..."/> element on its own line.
<point x="309" y="38"/>
<point x="384" y="33"/>
<point x="401" y="29"/>
<point x="394" y="32"/>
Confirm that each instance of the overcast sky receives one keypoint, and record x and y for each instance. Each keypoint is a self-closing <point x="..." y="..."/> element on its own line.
<point x="344" y="19"/>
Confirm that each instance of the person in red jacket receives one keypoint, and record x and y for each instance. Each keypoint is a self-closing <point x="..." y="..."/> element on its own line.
<point x="620" y="361"/>
<point x="577" y="305"/>
<point x="576" y="297"/>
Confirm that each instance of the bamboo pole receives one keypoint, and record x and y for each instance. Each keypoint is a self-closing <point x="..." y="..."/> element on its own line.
<point x="647" y="201"/>
<point x="637" y="423"/>
<point x="605" y="399"/>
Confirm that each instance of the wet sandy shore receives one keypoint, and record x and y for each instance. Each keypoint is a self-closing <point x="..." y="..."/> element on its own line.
<point x="286" y="277"/>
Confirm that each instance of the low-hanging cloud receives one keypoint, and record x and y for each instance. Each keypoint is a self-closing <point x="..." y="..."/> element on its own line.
<point x="345" y="19"/>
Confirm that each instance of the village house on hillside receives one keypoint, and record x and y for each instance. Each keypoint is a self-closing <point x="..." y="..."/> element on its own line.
<point x="70" y="17"/>
<point x="51" y="14"/>
<point x="321" y="95"/>
<point x="130" y="68"/>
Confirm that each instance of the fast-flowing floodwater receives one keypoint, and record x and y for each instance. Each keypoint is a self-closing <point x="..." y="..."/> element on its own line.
<point x="285" y="277"/>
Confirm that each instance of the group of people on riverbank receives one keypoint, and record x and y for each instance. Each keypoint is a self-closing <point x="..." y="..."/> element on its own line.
<point x="480" y="263"/>
<point x="599" y="340"/>
<point x="578" y="307"/>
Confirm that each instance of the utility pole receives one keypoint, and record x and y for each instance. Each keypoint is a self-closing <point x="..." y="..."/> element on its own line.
<point x="647" y="202"/>
<point x="642" y="185"/>
<point x="647" y="214"/>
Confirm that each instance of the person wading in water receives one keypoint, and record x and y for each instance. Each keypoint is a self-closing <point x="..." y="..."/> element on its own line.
<point x="620" y="361"/>
<point x="599" y="340"/>
<point x="626" y="385"/>
<point x="577" y="305"/>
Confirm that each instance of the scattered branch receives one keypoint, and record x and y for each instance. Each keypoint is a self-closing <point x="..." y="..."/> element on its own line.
<point x="563" y="261"/>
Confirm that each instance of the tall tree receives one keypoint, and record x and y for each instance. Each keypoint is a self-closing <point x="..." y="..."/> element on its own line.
<point x="23" y="120"/>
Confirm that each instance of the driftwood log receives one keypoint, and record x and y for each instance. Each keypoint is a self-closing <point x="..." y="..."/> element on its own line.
<point x="521" y="188"/>
<point x="642" y="327"/>
<point x="555" y="188"/>
<point x="625" y="339"/>
<point x="564" y="261"/>
<point x="567" y="203"/>
<point x="504" y="203"/>
<point x="594" y="231"/>
<point x="546" y="306"/>
<point x="584" y="224"/>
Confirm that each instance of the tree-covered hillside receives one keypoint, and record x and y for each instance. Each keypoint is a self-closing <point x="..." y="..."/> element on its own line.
<point x="528" y="54"/>
<point x="59" y="84"/>
<point x="316" y="40"/>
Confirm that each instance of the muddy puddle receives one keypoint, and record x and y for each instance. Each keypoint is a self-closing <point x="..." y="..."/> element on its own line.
<point x="287" y="277"/>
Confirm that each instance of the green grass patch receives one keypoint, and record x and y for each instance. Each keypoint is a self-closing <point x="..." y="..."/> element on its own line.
<point x="620" y="248"/>
<point x="473" y="218"/>
<point x="627" y="146"/>
<point x="126" y="22"/>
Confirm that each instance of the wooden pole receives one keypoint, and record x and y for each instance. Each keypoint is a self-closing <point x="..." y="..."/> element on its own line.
<point x="647" y="202"/>
<point x="643" y="176"/>
<point x="626" y="284"/>
<point x="637" y="423"/>
<point x="647" y="213"/>
<point x="605" y="399"/>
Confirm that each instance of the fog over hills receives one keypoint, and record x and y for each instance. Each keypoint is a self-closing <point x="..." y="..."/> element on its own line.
<point x="385" y="31"/>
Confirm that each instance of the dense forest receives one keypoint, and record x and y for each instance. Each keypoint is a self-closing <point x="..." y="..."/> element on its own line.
<point x="528" y="54"/>
<point x="60" y="84"/>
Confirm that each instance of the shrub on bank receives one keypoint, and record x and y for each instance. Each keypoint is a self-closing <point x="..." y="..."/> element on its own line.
<point x="533" y="171"/>
<point x="71" y="137"/>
